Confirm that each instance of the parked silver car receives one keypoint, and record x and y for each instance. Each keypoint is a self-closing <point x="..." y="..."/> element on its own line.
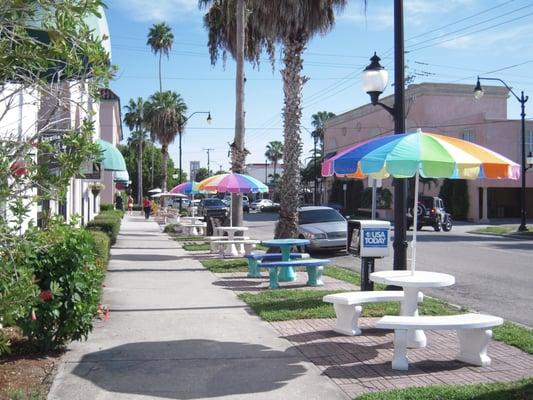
<point x="323" y="226"/>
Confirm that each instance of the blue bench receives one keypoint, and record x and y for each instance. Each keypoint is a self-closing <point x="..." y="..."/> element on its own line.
<point x="253" y="269"/>
<point x="313" y="266"/>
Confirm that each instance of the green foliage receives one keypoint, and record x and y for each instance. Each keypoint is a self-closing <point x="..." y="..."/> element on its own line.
<point x="110" y="226"/>
<point x="196" y="246"/>
<point x="201" y="174"/>
<point x="102" y="244"/>
<point x="106" y="207"/>
<point x="518" y="390"/>
<point x="515" y="335"/>
<point x="454" y="193"/>
<point x="69" y="282"/>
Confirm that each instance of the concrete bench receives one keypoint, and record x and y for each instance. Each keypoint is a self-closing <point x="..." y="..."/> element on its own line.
<point x="215" y="248"/>
<point x="313" y="266"/>
<point x="197" y="229"/>
<point x="348" y="307"/>
<point x="228" y="248"/>
<point x="253" y="267"/>
<point x="474" y="332"/>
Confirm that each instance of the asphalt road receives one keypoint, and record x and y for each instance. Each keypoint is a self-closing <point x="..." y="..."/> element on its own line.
<point x="493" y="274"/>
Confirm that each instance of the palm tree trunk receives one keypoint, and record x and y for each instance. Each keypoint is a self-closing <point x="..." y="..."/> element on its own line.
<point x="160" y="81"/>
<point x="292" y="114"/>
<point x="164" y="166"/>
<point x="179" y="178"/>
<point x="238" y="154"/>
<point x="140" y="170"/>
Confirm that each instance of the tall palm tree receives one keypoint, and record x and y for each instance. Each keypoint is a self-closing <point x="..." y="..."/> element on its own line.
<point x="134" y="120"/>
<point x="318" y="121"/>
<point x="274" y="153"/>
<point x="225" y="22"/>
<point x="160" y="40"/>
<point x="165" y="114"/>
<point x="293" y="23"/>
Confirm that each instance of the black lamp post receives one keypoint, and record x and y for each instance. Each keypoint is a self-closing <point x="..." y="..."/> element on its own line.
<point x="375" y="79"/>
<point x="478" y="93"/>
<point x="209" y="119"/>
<point x="315" y="201"/>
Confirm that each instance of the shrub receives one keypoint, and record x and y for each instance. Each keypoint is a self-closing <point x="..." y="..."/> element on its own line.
<point x="106" y="207"/>
<point x="118" y="214"/>
<point x="110" y="226"/>
<point x="101" y="247"/>
<point x="170" y="228"/>
<point x="69" y="283"/>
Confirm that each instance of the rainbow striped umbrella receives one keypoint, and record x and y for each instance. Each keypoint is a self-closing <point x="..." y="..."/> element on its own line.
<point x="189" y="187"/>
<point x="420" y="154"/>
<point x="232" y="183"/>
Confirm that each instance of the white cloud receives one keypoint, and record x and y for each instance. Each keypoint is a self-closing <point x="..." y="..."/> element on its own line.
<point x="510" y="39"/>
<point x="160" y="10"/>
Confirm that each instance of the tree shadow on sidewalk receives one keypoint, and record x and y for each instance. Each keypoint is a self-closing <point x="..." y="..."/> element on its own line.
<point x="190" y="369"/>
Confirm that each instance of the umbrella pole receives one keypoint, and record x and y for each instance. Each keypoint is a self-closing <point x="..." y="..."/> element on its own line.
<point x="230" y="210"/>
<point x="415" y="223"/>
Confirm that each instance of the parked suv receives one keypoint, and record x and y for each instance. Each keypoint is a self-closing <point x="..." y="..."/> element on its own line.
<point x="430" y="212"/>
<point x="213" y="207"/>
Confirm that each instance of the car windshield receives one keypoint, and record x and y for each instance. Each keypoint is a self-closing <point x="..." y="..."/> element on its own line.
<point x="317" y="216"/>
<point x="214" y="203"/>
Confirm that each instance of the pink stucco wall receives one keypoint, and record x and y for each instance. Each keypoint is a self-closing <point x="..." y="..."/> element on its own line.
<point x="441" y="108"/>
<point x="110" y="130"/>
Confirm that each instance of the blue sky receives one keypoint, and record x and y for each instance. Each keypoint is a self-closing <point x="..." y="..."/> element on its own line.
<point x="446" y="41"/>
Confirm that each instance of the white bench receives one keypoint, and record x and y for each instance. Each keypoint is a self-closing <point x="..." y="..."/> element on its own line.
<point x="474" y="332"/>
<point x="227" y="247"/>
<point x="348" y="307"/>
<point x="215" y="247"/>
<point x="197" y="229"/>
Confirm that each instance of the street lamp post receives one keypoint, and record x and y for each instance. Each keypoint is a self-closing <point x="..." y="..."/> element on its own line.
<point x="375" y="79"/>
<point x="478" y="93"/>
<point x="209" y="119"/>
<point x="315" y="172"/>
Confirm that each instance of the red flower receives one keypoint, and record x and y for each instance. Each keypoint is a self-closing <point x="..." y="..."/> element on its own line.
<point x="33" y="316"/>
<point x="18" y="168"/>
<point x="46" y="295"/>
<point x="106" y="313"/>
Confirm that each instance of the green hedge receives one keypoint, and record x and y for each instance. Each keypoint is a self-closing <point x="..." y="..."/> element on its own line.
<point x="110" y="226"/>
<point x="106" y="207"/>
<point x="102" y="243"/>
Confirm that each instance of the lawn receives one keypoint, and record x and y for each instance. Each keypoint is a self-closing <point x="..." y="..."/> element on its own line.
<point x="189" y="238"/>
<point x="231" y="265"/>
<point x="197" y="246"/>
<point x="519" y="390"/>
<point x="503" y="230"/>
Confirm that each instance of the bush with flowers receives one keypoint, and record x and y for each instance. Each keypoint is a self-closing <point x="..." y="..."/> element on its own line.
<point x="69" y="286"/>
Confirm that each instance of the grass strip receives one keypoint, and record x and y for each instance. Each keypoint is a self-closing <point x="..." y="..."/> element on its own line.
<point x="503" y="230"/>
<point x="522" y="389"/>
<point x="515" y="335"/>
<point x="196" y="246"/>
<point x="189" y="238"/>
<point x="231" y="265"/>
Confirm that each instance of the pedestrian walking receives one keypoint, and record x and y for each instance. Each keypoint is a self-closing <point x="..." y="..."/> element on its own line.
<point x="147" y="206"/>
<point x="119" y="204"/>
<point x="130" y="205"/>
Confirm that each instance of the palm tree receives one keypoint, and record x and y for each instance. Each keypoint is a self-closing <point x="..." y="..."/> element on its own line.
<point x="165" y="115"/>
<point x="134" y="120"/>
<point x="274" y="153"/>
<point x="160" y="40"/>
<point x="226" y="21"/>
<point x="318" y="121"/>
<point x="293" y="23"/>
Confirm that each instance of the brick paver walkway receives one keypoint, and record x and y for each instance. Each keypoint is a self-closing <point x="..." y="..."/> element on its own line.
<point x="360" y="364"/>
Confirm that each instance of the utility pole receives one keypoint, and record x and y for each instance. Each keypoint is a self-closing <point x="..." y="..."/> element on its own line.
<point x="208" y="151"/>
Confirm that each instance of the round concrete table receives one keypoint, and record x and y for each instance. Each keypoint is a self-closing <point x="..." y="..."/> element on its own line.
<point x="286" y="274"/>
<point x="411" y="284"/>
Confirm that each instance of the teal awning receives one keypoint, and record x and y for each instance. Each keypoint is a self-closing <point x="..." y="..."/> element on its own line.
<point x="112" y="159"/>
<point x="121" y="176"/>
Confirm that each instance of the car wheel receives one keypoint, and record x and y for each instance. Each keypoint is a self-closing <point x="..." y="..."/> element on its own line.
<point x="447" y="226"/>
<point x="419" y="227"/>
<point x="437" y="226"/>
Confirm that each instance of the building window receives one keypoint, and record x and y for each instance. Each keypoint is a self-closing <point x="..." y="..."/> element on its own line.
<point x="469" y="136"/>
<point x="529" y="141"/>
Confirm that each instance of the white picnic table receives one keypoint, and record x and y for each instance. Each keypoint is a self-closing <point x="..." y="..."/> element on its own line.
<point x="230" y="248"/>
<point x="411" y="284"/>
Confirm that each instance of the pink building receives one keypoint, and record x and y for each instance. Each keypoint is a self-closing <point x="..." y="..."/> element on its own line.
<point x="449" y="109"/>
<point x="110" y="131"/>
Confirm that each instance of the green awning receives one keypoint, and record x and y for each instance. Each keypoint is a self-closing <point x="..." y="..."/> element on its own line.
<point x="112" y="159"/>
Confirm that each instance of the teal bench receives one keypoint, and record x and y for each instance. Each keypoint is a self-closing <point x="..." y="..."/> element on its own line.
<point x="254" y="258"/>
<point x="313" y="266"/>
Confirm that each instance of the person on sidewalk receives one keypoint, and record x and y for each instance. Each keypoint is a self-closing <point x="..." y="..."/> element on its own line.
<point x="130" y="205"/>
<point x="147" y="206"/>
<point x="119" y="205"/>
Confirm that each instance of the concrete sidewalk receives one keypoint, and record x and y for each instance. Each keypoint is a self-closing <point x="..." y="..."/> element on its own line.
<point x="173" y="334"/>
